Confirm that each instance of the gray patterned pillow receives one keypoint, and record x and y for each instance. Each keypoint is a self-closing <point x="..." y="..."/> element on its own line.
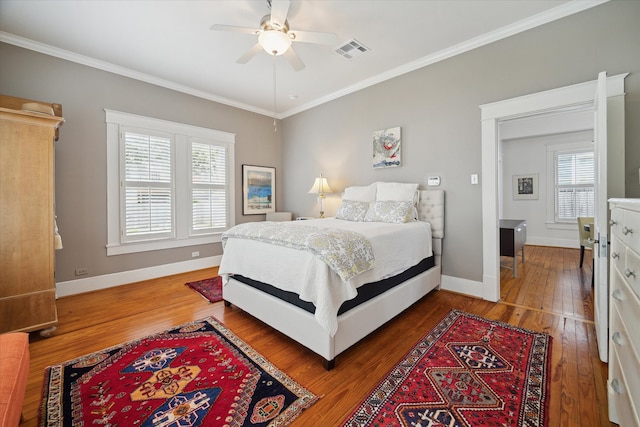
<point x="389" y="211"/>
<point x="352" y="210"/>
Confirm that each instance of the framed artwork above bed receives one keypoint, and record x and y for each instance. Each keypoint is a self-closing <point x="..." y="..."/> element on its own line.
<point x="258" y="190"/>
<point x="386" y="148"/>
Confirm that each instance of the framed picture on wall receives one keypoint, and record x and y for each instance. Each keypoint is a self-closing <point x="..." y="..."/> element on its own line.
<point x="387" y="148"/>
<point x="258" y="190"/>
<point x="525" y="187"/>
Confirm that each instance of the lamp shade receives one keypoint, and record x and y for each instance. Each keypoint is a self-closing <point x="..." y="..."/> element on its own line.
<point x="274" y="42"/>
<point x="320" y="186"/>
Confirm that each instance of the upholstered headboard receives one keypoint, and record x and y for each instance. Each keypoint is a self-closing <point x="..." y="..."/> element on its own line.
<point x="431" y="209"/>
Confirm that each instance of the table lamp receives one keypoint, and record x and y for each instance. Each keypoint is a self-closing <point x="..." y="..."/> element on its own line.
<point x="320" y="187"/>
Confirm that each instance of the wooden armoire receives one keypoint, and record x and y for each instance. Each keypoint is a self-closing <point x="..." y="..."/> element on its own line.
<point x="28" y="130"/>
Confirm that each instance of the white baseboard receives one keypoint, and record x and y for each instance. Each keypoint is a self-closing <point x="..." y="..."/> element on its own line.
<point x="553" y="242"/>
<point x="462" y="286"/>
<point x="94" y="283"/>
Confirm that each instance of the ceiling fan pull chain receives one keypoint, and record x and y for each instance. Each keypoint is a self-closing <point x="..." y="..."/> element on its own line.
<point x="275" y="102"/>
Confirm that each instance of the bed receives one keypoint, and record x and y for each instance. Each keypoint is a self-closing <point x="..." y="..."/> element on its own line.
<point x="315" y="298"/>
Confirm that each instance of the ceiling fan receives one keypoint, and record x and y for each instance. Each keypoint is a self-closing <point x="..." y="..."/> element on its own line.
<point x="275" y="36"/>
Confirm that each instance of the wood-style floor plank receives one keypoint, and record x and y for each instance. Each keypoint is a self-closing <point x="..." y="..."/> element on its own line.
<point x="547" y="281"/>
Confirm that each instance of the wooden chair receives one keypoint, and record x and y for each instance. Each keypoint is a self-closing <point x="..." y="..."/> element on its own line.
<point x="586" y="236"/>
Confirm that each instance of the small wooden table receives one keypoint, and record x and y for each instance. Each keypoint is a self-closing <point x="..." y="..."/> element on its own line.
<point x="513" y="235"/>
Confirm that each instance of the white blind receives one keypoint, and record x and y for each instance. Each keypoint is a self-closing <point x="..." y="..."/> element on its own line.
<point x="148" y="195"/>
<point x="208" y="186"/>
<point x="574" y="185"/>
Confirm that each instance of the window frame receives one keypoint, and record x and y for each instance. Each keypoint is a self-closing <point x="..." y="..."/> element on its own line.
<point x="116" y="122"/>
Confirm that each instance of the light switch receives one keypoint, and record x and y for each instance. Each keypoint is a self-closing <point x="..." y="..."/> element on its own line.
<point x="474" y="178"/>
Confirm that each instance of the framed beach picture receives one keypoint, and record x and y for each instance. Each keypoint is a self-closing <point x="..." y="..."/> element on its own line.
<point x="386" y="148"/>
<point x="258" y="190"/>
<point x="525" y="187"/>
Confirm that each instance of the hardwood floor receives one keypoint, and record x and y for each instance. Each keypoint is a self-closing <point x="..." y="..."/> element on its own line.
<point x="551" y="294"/>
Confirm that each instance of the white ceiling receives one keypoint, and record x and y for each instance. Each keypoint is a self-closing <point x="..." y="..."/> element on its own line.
<point x="169" y="43"/>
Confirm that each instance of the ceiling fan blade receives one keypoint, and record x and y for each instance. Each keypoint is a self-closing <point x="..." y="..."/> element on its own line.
<point x="233" y="29"/>
<point x="314" y="37"/>
<point x="250" y="54"/>
<point x="279" y="10"/>
<point x="293" y="59"/>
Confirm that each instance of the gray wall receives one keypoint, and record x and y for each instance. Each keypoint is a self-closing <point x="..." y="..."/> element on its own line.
<point x="437" y="108"/>
<point x="80" y="153"/>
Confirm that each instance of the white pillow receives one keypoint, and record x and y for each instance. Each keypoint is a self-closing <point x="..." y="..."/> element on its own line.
<point x="352" y="210"/>
<point x="389" y="211"/>
<point x="398" y="191"/>
<point x="365" y="193"/>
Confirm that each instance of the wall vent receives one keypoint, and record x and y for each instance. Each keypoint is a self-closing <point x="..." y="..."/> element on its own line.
<point x="352" y="49"/>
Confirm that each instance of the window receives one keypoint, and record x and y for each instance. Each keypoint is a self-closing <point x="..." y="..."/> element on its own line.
<point x="169" y="184"/>
<point x="574" y="185"/>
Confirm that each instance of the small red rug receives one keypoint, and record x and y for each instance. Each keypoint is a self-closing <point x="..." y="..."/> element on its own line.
<point x="210" y="289"/>
<point x="468" y="371"/>
<point x="198" y="374"/>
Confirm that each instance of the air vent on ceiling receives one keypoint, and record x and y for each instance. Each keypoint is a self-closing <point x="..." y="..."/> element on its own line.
<point x="352" y="49"/>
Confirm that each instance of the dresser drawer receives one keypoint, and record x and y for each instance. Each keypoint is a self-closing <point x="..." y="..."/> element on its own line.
<point x="617" y="217"/>
<point x="627" y="304"/>
<point x="620" y="407"/>
<point x="631" y="270"/>
<point x="630" y="229"/>
<point x="627" y="355"/>
<point x="617" y="253"/>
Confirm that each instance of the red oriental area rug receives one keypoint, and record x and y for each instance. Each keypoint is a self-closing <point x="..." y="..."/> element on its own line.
<point x="468" y="371"/>
<point x="210" y="289"/>
<point x="198" y="374"/>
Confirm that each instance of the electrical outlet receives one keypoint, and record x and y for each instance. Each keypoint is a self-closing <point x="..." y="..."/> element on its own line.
<point x="195" y="254"/>
<point x="82" y="271"/>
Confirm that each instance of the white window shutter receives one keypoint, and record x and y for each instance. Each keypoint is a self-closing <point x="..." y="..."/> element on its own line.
<point x="148" y="186"/>
<point x="574" y="185"/>
<point x="208" y="187"/>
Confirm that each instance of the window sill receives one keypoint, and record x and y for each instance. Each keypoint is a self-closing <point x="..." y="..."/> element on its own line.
<point x="130" y="248"/>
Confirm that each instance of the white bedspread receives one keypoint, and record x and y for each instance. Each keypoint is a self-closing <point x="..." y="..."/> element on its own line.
<point x="345" y="252"/>
<point x="396" y="247"/>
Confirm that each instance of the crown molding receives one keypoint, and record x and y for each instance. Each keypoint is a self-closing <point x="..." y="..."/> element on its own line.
<point x="123" y="71"/>
<point x="562" y="11"/>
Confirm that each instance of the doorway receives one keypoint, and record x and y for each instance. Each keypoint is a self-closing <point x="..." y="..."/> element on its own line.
<point x="539" y="103"/>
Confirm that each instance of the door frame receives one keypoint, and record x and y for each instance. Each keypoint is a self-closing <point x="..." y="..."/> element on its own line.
<point x="491" y="116"/>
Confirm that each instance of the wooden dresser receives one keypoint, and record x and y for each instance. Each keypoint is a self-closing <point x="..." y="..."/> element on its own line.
<point x="624" y="312"/>
<point x="27" y="287"/>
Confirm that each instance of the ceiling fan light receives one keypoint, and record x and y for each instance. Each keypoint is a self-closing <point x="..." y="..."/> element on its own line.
<point x="274" y="42"/>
